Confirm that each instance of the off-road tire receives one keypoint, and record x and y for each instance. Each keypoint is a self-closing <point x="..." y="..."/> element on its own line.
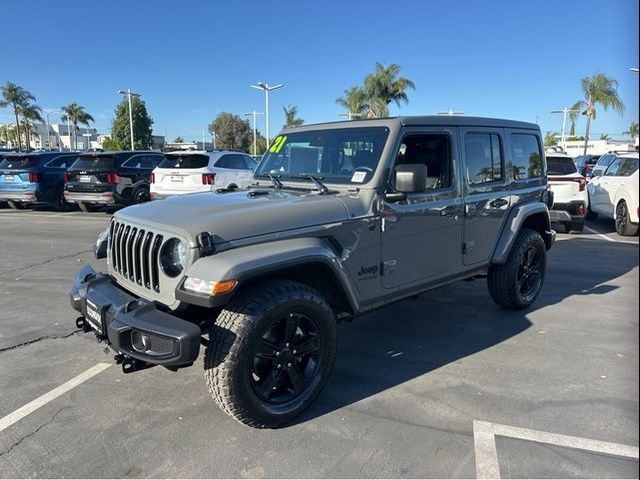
<point x="624" y="226"/>
<point x="503" y="279"/>
<point x="230" y="346"/>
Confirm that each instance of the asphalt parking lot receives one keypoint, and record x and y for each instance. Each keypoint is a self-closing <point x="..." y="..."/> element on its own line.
<point x="445" y="385"/>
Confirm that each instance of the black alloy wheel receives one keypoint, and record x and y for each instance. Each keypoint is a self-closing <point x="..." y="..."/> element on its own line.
<point x="529" y="275"/>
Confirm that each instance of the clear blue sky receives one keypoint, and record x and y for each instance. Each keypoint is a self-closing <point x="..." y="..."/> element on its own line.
<point x="194" y="59"/>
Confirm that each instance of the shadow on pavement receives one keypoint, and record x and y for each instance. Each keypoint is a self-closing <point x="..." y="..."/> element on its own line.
<point x="414" y="337"/>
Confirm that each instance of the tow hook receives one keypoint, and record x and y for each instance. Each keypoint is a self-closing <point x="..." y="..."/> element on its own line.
<point x="130" y="365"/>
<point x="82" y="324"/>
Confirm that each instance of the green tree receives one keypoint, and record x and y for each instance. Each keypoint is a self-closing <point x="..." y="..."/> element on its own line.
<point x="76" y="115"/>
<point x="598" y="90"/>
<point x="605" y="136"/>
<point x="573" y="116"/>
<point x="262" y="145"/>
<point x="15" y="97"/>
<point x="384" y="86"/>
<point x="7" y="134"/>
<point x="355" y="101"/>
<point x="111" y="145"/>
<point x="142" y="125"/>
<point x="231" y="131"/>
<point x="550" y="139"/>
<point x="291" y="117"/>
<point x="30" y="113"/>
<point x="178" y="140"/>
<point x="633" y="130"/>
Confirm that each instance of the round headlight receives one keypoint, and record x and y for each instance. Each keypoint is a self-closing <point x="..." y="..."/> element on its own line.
<point x="173" y="257"/>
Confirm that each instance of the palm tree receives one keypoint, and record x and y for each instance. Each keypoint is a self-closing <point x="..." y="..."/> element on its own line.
<point x="385" y="86"/>
<point x="30" y="113"/>
<point x="76" y="115"/>
<point x="355" y="101"/>
<point x="550" y="139"/>
<point x="602" y="90"/>
<point x="573" y="116"/>
<point x="605" y="136"/>
<point x="15" y="97"/>
<point x="633" y="130"/>
<point x="291" y="117"/>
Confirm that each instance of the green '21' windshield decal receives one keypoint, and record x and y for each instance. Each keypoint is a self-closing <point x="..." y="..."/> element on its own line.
<point x="278" y="143"/>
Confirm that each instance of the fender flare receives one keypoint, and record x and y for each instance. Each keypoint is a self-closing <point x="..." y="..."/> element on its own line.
<point x="246" y="263"/>
<point x="512" y="225"/>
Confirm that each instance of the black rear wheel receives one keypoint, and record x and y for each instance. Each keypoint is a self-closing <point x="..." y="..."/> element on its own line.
<point x="141" y="195"/>
<point x="516" y="284"/>
<point x="60" y="203"/>
<point x="270" y="353"/>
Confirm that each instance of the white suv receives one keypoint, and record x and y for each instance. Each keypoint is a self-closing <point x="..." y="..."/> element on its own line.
<point x="570" y="200"/>
<point x="615" y="194"/>
<point x="199" y="171"/>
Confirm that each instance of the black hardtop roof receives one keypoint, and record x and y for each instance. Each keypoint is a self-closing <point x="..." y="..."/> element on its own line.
<point x="425" y="120"/>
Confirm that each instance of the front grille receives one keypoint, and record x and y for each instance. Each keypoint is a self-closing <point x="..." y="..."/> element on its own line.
<point x="134" y="254"/>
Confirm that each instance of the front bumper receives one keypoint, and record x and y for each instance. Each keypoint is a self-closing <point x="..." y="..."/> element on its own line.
<point x="102" y="198"/>
<point x="123" y="319"/>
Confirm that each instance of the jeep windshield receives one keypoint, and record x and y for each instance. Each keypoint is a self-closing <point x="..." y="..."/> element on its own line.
<point x="345" y="155"/>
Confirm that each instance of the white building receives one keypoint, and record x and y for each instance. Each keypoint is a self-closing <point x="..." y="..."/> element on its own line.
<point x="596" y="147"/>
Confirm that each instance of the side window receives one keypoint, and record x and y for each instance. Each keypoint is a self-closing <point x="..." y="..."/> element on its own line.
<point x="612" y="171"/>
<point x="484" y="158"/>
<point x="628" y="167"/>
<point x="134" y="162"/>
<point x="223" y="162"/>
<point x="249" y="163"/>
<point x="432" y="150"/>
<point x="526" y="155"/>
<point x="57" y="162"/>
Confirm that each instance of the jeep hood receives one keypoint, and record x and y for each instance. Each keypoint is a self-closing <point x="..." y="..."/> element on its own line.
<point x="237" y="215"/>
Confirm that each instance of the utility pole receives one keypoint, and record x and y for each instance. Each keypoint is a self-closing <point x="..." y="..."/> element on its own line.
<point x="267" y="88"/>
<point x="255" y="131"/>
<point x="129" y="93"/>
<point x="564" y="112"/>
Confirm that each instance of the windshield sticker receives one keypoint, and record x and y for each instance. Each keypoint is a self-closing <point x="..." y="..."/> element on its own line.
<point x="278" y="144"/>
<point x="358" y="177"/>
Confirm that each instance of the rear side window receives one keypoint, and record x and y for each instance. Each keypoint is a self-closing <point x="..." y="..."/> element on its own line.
<point x="233" y="161"/>
<point x="141" y="161"/>
<point x="484" y="158"/>
<point x="184" y="161"/>
<point x="250" y="164"/>
<point x="19" y="163"/>
<point x="61" y="162"/>
<point x="560" y="166"/>
<point x="526" y="155"/>
<point x="93" y="163"/>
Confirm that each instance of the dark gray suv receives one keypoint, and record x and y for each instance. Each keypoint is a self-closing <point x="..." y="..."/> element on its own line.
<point x="342" y="218"/>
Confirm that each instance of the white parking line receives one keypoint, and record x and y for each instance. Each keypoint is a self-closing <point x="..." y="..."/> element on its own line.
<point x="601" y="235"/>
<point x="32" y="406"/>
<point x="484" y="439"/>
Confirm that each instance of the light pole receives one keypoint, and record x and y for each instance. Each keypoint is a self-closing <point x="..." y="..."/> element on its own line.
<point x="88" y="137"/>
<point x="129" y="93"/>
<point x="267" y="88"/>
<point x="634" y="70"/>
<point x="350" y="115"/>
<point x="48" y="128"/>
<point x="255" y="131"/>
<point x="564" y="113"/>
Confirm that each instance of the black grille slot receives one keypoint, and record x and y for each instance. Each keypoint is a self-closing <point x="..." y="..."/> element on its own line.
<point x="135" y="254"/>
<point x="153" y="260"/>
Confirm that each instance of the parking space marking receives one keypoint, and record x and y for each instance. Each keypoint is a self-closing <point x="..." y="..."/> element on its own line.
<point x="32" y="406"/>
<point x="484" y="440"/>
<point x="601" y="235"/>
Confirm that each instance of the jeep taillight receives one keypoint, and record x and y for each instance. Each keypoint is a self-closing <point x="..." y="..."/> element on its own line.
<point x="34" y="177"/>
<point x="152" y="178"/>
<point x="208" y="178"/>
<point x="113" y="177"/>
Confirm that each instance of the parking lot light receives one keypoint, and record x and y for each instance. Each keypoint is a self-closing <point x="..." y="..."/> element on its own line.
<point x="267" y="88"/>
<point x="564" y="112"/>
<point x="255" y="132"/>
<point x="129" y="93"/>
<point x="48" y="128"/>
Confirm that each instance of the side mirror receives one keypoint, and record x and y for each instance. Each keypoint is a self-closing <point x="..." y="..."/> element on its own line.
<point x="409" y="178"/>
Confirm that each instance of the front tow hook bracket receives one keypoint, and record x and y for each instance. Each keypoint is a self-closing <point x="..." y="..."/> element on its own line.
<point x="130" y="365"/>
<point x="82" y="324"/>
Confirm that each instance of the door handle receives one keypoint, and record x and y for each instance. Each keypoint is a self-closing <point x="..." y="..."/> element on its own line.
<point x="499" y="203"/>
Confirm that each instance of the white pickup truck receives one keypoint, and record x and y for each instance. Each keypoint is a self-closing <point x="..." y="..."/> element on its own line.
<point x="570" y="199"/>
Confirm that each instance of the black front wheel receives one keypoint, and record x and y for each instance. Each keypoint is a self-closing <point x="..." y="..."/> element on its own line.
<point x="141" y="195"/>
<point x="516" y="284"/>
<point x="270" y="353"/>
<point x="623" y="221"/>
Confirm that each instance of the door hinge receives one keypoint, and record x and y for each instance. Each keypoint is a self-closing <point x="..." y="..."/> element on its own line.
<point x="388" y="267"/>
<point x="467" y="247"/>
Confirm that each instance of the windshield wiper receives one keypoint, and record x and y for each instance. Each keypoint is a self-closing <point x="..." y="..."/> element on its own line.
<point x="316" y="180"/>
<point x="274" y="180"/>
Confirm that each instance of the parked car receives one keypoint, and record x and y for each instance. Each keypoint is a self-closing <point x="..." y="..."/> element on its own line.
<point x="603" y="163"/>
<point x="585" y="164"/>
<point x="615" y="194"/>
<point x="28" y="178"/>
<point x="110" y="178"/>
<point x="569" y="189"/>
<point x="188" y="172"/>
<point x="345" y="218"/>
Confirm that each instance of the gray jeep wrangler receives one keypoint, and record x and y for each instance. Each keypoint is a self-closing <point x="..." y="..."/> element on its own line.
<point x="343" y="218"/>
